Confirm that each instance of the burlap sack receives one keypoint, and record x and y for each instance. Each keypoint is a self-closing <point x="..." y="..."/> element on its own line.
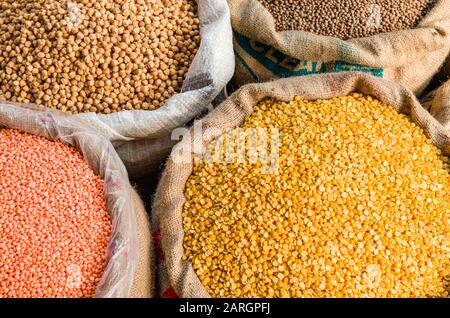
<point x="128" y="271"/>
<point x="409" y="57"/>
<point x="177" y="277"/>
<point x="144" y="278"/>
<point x="442" y="76"/>
<point x="446" y="67"/>
<point x="438" y="104"/>
<point x="143" y="138"/>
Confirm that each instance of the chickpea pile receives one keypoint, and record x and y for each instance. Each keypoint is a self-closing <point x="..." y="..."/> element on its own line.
<point x="357" y="207"/>
<point x="98" y="56"/>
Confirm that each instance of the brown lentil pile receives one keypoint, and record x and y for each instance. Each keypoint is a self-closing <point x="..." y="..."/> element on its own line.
<point x="347" y="19"/>
<point x="96" y="56"/>
<point x="358" y="207"/>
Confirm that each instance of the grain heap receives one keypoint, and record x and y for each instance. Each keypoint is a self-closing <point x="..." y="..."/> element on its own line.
<point x="53" y="221"/>
<point x="96" y="56"/>
<point x="347" y="19"/>
<point x="357" y="208"/>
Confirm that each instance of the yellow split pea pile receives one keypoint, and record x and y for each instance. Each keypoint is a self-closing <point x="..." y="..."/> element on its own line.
<point x="98" y="56"/>
<point x="54" y="226"/>
<point x="358" y="207"/>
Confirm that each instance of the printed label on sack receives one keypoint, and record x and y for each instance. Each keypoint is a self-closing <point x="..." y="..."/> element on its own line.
<point x="282" y="65"/>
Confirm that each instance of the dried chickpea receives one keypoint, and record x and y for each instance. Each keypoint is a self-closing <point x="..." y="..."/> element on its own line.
<point x="59" y="53"/>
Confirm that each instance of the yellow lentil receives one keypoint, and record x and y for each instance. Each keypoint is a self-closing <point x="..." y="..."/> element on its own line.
<point x="358" y="207"/>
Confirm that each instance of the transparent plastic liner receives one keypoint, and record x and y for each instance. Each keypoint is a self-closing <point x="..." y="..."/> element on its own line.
<point x="123" y="247"/>
<point x="142" y="138"/>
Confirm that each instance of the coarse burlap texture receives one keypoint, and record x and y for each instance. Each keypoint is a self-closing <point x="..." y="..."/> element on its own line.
<point x="442" y="76"/>
<point x="143" y="138"/>
<point x="446" y="67"/>
<point x="129" y="267"/>
<point x="178" y="275"/>
<point x="438" y="104"/>
<point x="409" y="57"/>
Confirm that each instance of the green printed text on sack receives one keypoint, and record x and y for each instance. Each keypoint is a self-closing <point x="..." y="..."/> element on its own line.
<point x="282" y="65"/>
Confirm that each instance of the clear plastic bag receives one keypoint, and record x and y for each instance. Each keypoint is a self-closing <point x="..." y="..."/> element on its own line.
<point x="123" y="253"/>
<point x="142" y="138"/>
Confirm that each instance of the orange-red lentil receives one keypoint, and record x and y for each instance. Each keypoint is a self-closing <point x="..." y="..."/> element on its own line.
<point x="54" y="226"/>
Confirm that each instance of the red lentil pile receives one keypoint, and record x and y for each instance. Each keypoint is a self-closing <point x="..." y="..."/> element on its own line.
<point x="54" y="225"/>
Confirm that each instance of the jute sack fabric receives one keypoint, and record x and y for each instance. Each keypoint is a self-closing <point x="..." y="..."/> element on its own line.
<point x="443" y="75"/>
<point x="177" y="277"/>
<point x="446" y="67"/>
<point x="409" y="57"/>
<point x="144" y="279"/>
<point x="128" y="271"/>
<point x="143" y="138"/>
<point x="438" y="104"/>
